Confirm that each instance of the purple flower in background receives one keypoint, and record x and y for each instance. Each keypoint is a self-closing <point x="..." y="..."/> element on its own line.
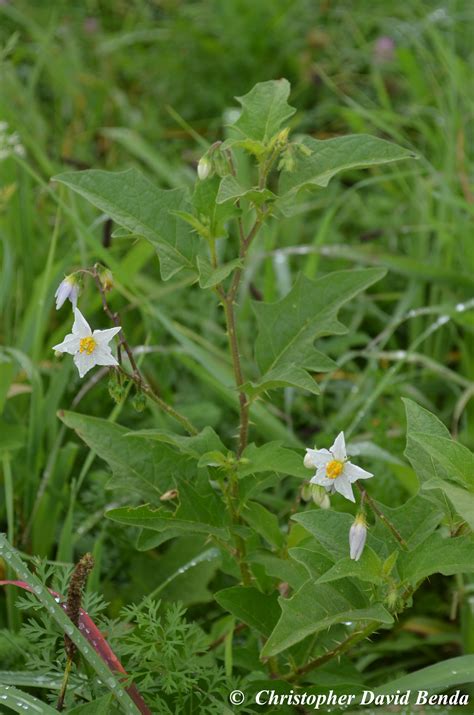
<point x="91" y="25"/>
<point x="384" y="49"/>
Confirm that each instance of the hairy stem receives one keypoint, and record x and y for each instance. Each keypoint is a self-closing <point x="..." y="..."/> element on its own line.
<point x="384" y="519"/>
<point x="351" y="640"/>
<point x="141" y="383"/>
<point x="228" y="301"/>
<point x="136" y="376"/>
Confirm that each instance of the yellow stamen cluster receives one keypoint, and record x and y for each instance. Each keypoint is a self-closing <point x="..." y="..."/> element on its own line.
<point x="87" y="345"/>
<point x="334" y="468"/>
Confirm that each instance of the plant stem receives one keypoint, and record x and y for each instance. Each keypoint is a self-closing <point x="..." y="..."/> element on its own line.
<point x="62" y="693"/>
<point x="338" y="650"/>
<point x="238" y="376"/>
<point x="384" y="519"/>
<point x="228" y="301"/>
<point x="136" y="376"/>
<point x="231" y="493"/>
<point x="145" y="387"/>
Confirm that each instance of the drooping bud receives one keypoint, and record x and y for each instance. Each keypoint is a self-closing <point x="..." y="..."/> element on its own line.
<point x="105" y="277"/>
<point x="115" y="387"/>
<point x="139" y="401"/>
<point x="204" y="167"/>
<point x="306" y="491"/>
<point x="320" y="496"/>
<point x="357" y="537"/>
<point x="69" y="288"/>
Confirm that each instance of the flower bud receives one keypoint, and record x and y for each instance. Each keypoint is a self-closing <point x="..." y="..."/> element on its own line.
<point x="308" y="460"/>
<point x="106" y="279"/>
<point x="69" y="288"/>
<point x="139" y="401"/>
<point x="281" y="139"/>
<point x="357" y="537"/>
<point x="306" y="491"/>
<point x="320" y="497"/>
<point x="204" y="167"/>
<point x="104" y="276"/>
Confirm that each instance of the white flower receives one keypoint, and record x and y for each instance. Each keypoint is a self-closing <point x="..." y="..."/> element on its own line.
<point x="68" y="288"/>
<point x="9" y="143"/>
<point x="333" y="470"/>
<point x="357" y="537"/>
<point x="89" y="348"/>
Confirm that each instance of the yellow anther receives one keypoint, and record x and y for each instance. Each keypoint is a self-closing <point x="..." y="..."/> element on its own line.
<point x="87" y="345"/>
<point x="334" y="468"/>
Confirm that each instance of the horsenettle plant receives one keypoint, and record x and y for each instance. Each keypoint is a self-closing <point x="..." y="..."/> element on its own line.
<point x="305" y="590"/>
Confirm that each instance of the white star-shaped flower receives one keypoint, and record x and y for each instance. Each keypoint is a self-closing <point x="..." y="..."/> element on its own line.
<point x="333" y="470"/>
<point x="89" y="348"/>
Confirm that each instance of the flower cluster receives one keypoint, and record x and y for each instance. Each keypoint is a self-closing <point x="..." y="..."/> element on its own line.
<point x="336" y="473"/>
<point x="10" y="143"/>
<point x="88" y="348"/>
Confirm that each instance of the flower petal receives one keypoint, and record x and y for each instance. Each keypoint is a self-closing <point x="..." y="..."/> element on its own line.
<point x="103" y="356"/>
<point x="343" y="486"/>
<point x="84" y="362"/>
<point x="81" y="327"/>
<point x="353" y="472"/>
<point x="62" y="294"/>
<point x="317" y="457"/>
<point x="70" y="345"/>
<point x="103" y="337"/>
<point x="338" y="449"/>
<point x="321" y="478"/>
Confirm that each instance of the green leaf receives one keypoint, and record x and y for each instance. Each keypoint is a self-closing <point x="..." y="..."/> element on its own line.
<point x="263" y="522"/>
<point x="20" y="701"/>
<point x="415" y="521"/>
<point x="456" y="459"/>
<point x="147" y="473"/>
<point x="285" y="570"/>
<point x="330" y="156"/>
<point x="101" y="706"/>
<point x="11" y="436"/>
<point x="438" y="555"/>
<point x="131" y="200"/>
<point x="7" y="373"/>
<point x="210" y="277"/>
<point x="265" y="111"/>
<point x="440" y="676"/>
<point x="315" y="607"/>
<point x="256" y="609"/>
<point x="231" y="190"/>
<point x="330" y="529"/>
<point x="195" y="446"/>
<point x="200" y="511"/>
<point x="438" y="461"/>
<point x="208" y="210"/>
<point x="31" y="679"/>
<point x="272" y="457"/>
<point x="314" y="558"/>
<point x="183" y="571"/>
<point x="461" y="499"/>
<point x="368" y="568"/>
<point x="288" y="328"/>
